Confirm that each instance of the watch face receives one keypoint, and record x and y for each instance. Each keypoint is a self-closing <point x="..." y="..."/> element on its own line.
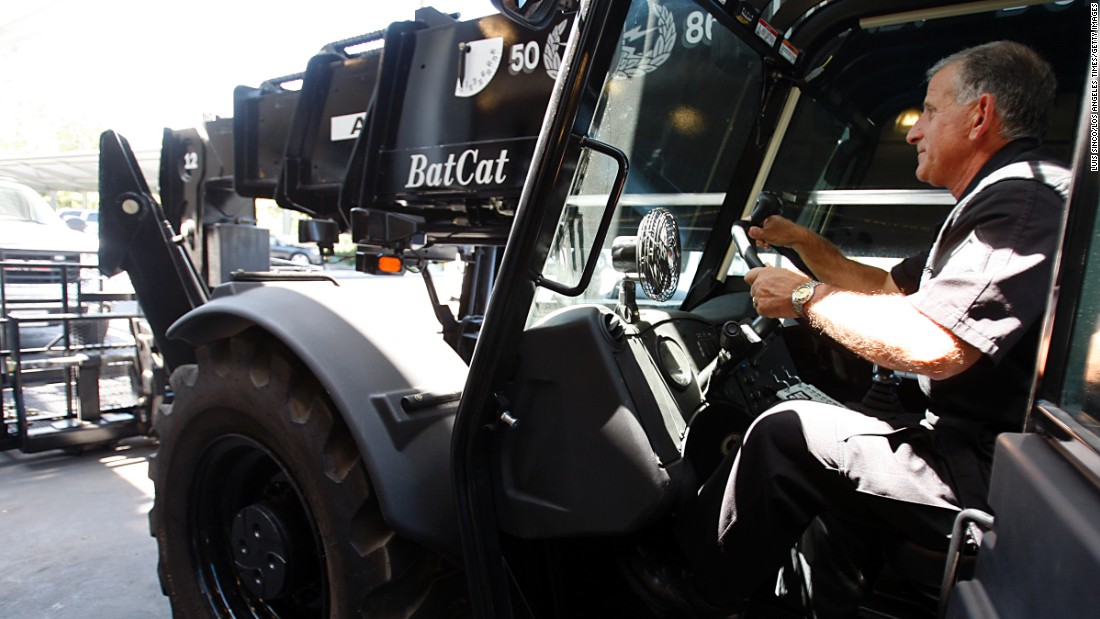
<point x="803" y="293"/>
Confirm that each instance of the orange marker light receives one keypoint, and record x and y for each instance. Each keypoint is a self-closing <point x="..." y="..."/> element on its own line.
<point x="389" y="264"/>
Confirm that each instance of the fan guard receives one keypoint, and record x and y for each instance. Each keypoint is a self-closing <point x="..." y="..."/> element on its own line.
<point x="659" y="254"/>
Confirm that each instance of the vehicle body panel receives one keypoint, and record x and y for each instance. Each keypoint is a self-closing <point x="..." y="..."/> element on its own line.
<point x="397" y="356"/>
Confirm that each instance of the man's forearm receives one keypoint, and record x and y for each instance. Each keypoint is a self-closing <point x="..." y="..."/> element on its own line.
<point x="887" y="330"/>
<point x="833" y="267"/>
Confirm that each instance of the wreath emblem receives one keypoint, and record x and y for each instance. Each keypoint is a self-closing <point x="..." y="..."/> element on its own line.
<point x="657" y="49"/>
<point x="632" y="63"/>
<point x="552" y="59"/>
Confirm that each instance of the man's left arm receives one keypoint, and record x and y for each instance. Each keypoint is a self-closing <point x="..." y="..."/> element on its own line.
<point x="883" y="328"/>
<point x="980" y="301"/>
<point x="886" y="329"/>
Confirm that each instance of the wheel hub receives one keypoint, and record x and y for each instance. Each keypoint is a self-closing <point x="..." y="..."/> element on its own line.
<point x="261" y="549"/>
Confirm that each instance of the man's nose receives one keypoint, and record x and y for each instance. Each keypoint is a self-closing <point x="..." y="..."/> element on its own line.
<point x="915" y="133"/>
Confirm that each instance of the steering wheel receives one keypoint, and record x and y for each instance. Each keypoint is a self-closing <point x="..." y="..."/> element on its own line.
<point x="767" y="204"/>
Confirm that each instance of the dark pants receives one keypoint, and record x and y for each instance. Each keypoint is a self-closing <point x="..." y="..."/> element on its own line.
<point x="862" y="475"/>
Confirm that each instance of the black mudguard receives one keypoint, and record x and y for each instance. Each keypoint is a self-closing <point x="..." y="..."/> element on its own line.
<point x="389" y="373"/>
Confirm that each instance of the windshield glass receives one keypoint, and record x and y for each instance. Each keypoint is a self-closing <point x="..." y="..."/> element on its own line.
<point x="679" y="103"/>
<point x="12" y="205"/>
<point x="18" y="203"/>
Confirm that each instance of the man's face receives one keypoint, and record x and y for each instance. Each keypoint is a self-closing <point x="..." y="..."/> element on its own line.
<point x="940" y="134"/>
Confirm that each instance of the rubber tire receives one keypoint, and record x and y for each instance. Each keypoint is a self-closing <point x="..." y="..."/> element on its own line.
<point x="249" y="389"/>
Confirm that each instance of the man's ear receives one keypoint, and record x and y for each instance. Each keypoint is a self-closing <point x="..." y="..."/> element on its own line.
<point x="983" y="119"/>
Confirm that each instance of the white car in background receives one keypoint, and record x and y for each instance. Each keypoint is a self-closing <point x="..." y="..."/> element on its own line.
<point x="81" y="220"/>
<point x="45" y="264"/>
<point x="30" y="231"/>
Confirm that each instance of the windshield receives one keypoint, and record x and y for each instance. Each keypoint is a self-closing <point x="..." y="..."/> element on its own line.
<point x="22" y="204"/>
<point x="679" y="104"/>
<point x="13" y="207"/>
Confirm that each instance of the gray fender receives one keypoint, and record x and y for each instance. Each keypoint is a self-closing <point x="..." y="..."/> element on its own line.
<point x="375" y="346"/>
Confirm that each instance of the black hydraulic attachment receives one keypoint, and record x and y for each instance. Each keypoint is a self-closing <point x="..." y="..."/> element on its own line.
<point x="136" y="236"/>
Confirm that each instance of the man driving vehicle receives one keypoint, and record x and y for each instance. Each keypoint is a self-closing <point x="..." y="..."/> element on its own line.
<point x="963" y="315"/>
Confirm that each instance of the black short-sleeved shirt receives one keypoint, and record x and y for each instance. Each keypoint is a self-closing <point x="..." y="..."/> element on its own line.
<point x="990" y="290"/>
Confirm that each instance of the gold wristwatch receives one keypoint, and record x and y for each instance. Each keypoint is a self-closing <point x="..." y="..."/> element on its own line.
<point x="803" y="293"/>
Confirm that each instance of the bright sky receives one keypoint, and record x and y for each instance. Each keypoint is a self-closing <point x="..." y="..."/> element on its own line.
<point x="137" y="66"/>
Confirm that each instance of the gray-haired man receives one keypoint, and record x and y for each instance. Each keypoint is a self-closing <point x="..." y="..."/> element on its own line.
<point x="964" y="315"/>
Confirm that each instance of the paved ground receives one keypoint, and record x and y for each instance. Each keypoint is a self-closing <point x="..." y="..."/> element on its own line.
<point x="75" y="535"/>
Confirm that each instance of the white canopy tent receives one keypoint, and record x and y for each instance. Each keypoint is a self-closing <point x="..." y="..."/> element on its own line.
<point x="76" y="171"/>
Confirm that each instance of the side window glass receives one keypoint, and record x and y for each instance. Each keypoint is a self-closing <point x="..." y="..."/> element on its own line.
<point x="681" y="123"/>
<point x="1081" y="391"/>
<point x="854" y="183"/>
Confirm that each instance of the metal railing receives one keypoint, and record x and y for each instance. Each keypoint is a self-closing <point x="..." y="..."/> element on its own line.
<point x="73" y="366"/>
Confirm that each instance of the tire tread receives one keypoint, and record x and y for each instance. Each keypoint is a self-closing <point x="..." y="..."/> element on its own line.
<point x="250" y="384"/>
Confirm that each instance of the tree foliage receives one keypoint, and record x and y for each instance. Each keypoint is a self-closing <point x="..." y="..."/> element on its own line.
<point x="32" y="128"/>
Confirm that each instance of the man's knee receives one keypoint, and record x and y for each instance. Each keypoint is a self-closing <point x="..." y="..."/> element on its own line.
<point x="780" y="428"/>
<point x="775" y="419"/>
<point x="774" y="438"/>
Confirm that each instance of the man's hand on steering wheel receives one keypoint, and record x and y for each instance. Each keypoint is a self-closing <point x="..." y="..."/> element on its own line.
<point x="771" y="289"/>
<point x="778" y="231"/>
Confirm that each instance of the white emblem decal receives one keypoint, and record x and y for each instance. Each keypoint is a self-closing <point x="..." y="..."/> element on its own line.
<point x="656" y="48"/>
<point x="346" y="127"/>
<point x="551" y="53"/>
<point x="477" y="65"/>
<point x="468" y="168"/>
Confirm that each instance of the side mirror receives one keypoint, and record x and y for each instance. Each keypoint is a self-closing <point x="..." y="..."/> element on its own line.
<point x="76" y="223"/>
<point x="534" y="14"/>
